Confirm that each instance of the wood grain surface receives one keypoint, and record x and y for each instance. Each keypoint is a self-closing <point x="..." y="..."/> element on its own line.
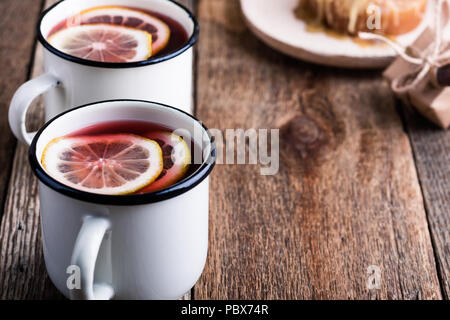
<point x="23" y="273"/>
<point x="432" y="153"/>
<point x="17" y="39"/>
<point x="347" y="195"/>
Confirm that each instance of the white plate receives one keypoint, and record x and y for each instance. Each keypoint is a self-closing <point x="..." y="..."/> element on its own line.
<point x="274" y="22"/>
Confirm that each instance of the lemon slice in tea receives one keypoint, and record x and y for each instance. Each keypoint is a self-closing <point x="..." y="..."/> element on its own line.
<point x="115" y="164"/>
<point x="176" y="159"/>
<point x="127" y="17"/>
<point x="104" y="43"/>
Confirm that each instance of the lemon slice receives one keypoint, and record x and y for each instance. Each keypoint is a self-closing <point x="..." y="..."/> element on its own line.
<point x="116" y="164"/>
<point x="104" y="43"/>
<point x="176" y="159"/>
<point x="127" y="17"/>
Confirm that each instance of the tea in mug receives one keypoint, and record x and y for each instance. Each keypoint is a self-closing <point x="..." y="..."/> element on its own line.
<point x="118" y="34"/>
<point x="120" y="158"/>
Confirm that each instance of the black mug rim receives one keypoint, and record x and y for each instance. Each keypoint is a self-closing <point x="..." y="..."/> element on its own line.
<point x="175" y="190"/>
<point x="119" y="65"/>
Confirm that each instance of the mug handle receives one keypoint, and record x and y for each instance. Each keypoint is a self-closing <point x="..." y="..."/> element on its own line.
<point x="22" y="100"/>
<point x="84" y="256"/>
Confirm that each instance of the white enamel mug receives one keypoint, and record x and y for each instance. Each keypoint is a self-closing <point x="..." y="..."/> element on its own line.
<point x="70" y="81"/>
<point x="144" y="246"/>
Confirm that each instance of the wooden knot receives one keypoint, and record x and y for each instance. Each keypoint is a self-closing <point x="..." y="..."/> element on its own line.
<point x="310" y="136"/>
<point x="306" y="130"/>
<point x="304" y="135"/>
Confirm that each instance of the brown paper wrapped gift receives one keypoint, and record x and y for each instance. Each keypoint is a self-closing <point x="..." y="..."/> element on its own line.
<point x="429" y="98"/>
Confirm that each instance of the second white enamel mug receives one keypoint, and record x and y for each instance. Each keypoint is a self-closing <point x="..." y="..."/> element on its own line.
<point x="142" y="246"/>
<point x="70" y="81"/>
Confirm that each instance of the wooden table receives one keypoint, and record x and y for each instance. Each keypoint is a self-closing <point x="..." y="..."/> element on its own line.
<point x="363" y="181"/>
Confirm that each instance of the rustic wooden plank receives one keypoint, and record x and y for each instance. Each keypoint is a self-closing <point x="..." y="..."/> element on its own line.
<point x="432" y="153"/>
<point x="22" y="268"/>
<point x="16" y="47"/>
<point x="347" y="195"/>
<point x="23" y="274"/>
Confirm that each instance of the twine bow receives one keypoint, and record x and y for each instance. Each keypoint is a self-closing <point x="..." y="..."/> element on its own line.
<point x="435" y="56"/>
